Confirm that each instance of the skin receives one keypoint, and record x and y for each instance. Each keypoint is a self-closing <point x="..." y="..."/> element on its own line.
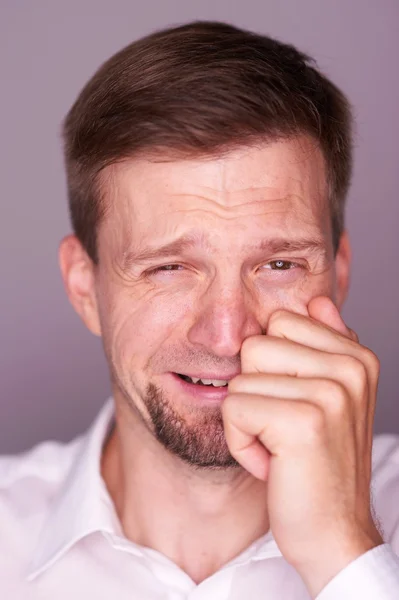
<point x="290" y="447"/>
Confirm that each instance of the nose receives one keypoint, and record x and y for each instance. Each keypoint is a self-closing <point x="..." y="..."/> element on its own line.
<point x="225" y="317"/>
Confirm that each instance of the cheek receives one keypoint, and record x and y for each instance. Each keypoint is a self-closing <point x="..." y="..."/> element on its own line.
<point x="136" y="329"/>
<point x="296" y="297"/>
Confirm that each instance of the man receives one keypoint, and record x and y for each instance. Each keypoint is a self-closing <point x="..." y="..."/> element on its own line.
<point x="207" y="173"/>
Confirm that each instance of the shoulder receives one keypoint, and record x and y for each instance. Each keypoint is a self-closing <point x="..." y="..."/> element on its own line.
<point x="29" y="482"/>
<point x="46" y="462"/>
<point x="385" y="486"/>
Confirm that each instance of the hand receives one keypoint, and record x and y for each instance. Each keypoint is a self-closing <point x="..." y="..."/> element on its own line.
<point x="300" y="416"/>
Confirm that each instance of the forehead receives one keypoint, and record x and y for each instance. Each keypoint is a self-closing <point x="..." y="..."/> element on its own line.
<point x="284" y="181"/>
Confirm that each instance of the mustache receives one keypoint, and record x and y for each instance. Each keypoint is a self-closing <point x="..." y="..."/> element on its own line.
<point x="176" y="359"/>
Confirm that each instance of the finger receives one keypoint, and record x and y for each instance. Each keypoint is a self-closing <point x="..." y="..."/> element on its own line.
<point x="353" y="335"/>
<point x="324" y="310"/>
<point x="329" y="395"/>
<point x="266" y="354"/>
<point x="247" y="450"/>
<point x="279" y="426"/>
<point x="312" y="333"/>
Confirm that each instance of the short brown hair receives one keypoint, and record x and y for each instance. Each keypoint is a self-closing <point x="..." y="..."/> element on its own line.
<point x="199" y="89"/>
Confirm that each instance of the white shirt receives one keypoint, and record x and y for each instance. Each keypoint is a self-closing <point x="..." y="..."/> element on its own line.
<point x="60" y="538"/>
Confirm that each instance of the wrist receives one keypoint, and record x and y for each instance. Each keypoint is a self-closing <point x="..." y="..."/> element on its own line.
<point x="332" y="559"/>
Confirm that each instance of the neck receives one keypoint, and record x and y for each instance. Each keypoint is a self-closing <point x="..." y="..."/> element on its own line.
<point x="199" y="519"/>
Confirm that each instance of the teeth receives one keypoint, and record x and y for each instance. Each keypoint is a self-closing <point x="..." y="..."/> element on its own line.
<point x="214" y="382"/>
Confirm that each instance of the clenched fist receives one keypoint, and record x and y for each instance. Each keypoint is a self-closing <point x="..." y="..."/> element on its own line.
<point x="300" y="415"/>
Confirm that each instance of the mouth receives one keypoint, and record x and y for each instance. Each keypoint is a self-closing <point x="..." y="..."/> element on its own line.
<point x="204" y="389"/>
<point x="217" y="383"/>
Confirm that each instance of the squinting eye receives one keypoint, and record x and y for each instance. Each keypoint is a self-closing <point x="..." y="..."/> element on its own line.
<point x="167" y="268"/>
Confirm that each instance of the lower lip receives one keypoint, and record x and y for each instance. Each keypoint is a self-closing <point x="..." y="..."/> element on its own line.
<point x="207" y="394"/>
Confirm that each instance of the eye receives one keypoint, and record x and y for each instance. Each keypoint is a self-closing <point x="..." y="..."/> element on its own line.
<point x="166" y="268"/>
<point x="280" y="265"/>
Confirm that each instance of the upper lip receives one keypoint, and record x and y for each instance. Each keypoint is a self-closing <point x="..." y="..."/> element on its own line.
<point x="219" y="376"/>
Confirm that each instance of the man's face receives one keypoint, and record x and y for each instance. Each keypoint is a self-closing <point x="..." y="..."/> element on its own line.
<point x="254" y="235"/>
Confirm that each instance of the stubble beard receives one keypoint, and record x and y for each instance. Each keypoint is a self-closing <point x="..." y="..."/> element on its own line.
<point x="200" y="442"/>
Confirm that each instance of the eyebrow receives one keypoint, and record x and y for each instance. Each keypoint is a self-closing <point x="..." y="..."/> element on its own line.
<point x="278" y="245"/>
<point x="174" y="248"/>
<point x="189" y="242"/>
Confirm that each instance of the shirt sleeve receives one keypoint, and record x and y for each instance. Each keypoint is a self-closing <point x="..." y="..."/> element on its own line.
<point x="372" y="576"/>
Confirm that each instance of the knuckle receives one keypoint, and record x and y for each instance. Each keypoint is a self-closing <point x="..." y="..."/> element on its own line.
<point x="313" y="422"/>
<point x="336" y="397"/>
<point x="372" y="361"/>
<point x="358" y="372"/>
<point x="355" y="374"/>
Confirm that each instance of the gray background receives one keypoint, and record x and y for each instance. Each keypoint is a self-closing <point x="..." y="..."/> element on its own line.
<point x="52" y="372"/>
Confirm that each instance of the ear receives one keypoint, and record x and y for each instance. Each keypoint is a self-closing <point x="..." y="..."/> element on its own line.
<point x="342" y="269"/>
<point x="77" y="271"/>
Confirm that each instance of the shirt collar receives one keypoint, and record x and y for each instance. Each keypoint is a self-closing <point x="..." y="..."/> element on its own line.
<point x="84" y="506"/>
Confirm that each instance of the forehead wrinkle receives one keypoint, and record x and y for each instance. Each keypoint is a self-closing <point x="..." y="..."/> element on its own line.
<point x="228" y="216"/>
<point x="183" y="243"/>
<point x="196" y="239"/>
<point x="265" y="205"/>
